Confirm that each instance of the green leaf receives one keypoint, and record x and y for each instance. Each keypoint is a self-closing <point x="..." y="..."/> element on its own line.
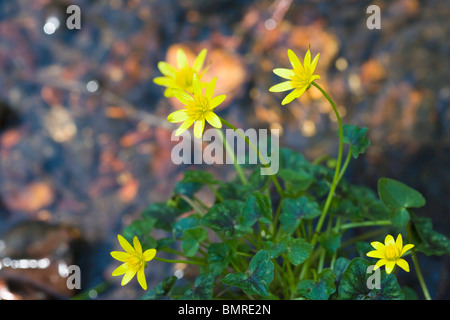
<point x="185" y="223"/>
<point x="161" y="291"/>
<point x="295" y="180"/>
<point x="354" y="283"/>
<point x="330" y="242"/>
<point x="355" y="137"/>
<point x="257" y="207"/>
<point x="400" y="217"/>
<point x="428" y="240"/>
<point x="320" y="289"/>
<point x="200" y="177"/>
<point x="224" y="217"/>
<point x="203" y="288"/>
<point x="293" y="210"/>
<point x="257" y="278"/>
<point x="218" y="257"/>
<point x="339" y="268"/>
<point x="164" y="215"/>
<point x="191" y="240"/>
<point x="275" y="249"/>
<point x="298" y="249"/>
<point x="141" y="229"/>
<point x="395" y="195"/>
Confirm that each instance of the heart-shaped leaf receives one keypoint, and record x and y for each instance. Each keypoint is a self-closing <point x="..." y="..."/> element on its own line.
<point x="396" y="194"/>
<point x="320" y="289"/>
<point x="294" y="210"/>
<point x="355" y="281"/>
<point x="257" y="278"/>
<point x="356" y="137"/>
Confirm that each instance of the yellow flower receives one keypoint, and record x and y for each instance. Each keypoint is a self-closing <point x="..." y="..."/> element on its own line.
<point x="198" y="108"/>
<point x="300" y="77"/>
<point x="180" y="78"/>
<point x="390" y="252"/>
<point x="134" y="260"/>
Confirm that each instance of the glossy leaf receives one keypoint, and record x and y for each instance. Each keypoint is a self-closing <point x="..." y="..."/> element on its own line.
<point x="320" y="289"/>
<point x="356" y="138"/>
<point x="354" y="283"/>
<point x="395" y="195"/>
<point x="203" y="288"/>
<point x="294" y="210"/>
<point x="256" y="280"/>
<point x="298" y="249"/>
<point x="218" y="257"/>
<point x="224" y="217"/>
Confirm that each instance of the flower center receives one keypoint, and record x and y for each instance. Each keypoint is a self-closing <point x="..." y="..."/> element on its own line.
<point x="198" y="109"/>
<point x="301" y="78"/>
<point x="392" y="252"/>
<point x="134" y="261"/>
<point x="184" y="78"/>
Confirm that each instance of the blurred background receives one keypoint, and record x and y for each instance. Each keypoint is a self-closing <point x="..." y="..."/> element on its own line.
<point x="85" y="145"/>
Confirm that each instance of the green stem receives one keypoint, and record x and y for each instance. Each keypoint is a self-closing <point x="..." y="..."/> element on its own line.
<point x="179" y="261"/>
<point x="275" y="221"/>
<point x="335" y="177"/>
<point x="365" y="224"/>
<point x="192" y="204"/>
<point x="423" y="285"/>
<point x="263" y="160"/>
<point x="345" y="165"/>
<point x="231" y="154"/>
<point x="216" y="193"/>
<point x="338" y="165"/>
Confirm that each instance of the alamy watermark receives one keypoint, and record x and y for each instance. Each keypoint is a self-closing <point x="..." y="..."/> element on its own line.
<point x="235" y="146"/>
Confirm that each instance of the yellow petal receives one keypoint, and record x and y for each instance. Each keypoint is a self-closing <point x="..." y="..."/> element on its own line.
<point x="293" y="95"/>
<point x="307" y="60"/>
<point x="184" y="126"/>
<point x="210" y="89"/>
<point x="120" y="255"/>
<point x="125" y="244"/>
<point x="196" y="85"/>
<point x="295" y="62"/>
<point x="167" y="69"/>
<point x="399" y="242"/>
<point x="137" y="245"/>
<point x="283" y="86"/>
<point x="149" y="254"/>
<point x="128" y="276"/>
<point x="181" y="59"/>
<point x="213" y="120"/>
<point x="375" y="254"/>
<point x="380" y="263"/>
<point x="314" y="63"/>
<point x="216" y="101"/>
<point x="284" y="73"/>
<point x="164" y="81"/>
<point x="403" y="264"/>
<point x="390" y="266"/>
<point x="178" y="116"/>
<point x="313" y="78"/>
<point x="184" y="97"/>
<point x="120" y="270"/>
<point x="199" y="60"/>
<point x="406" y="248"/>
<point x="378" y="246"/>
<point x="198" y="128"/>
<point x="389" y="240"/>
<point x="141" y="278"/>
<point x="168" y="93"/>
